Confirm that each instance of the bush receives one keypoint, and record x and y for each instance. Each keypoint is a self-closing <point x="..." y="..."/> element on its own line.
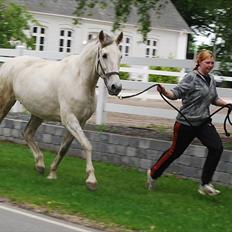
<point x="124" y="75"/>
<point x="226" y="84"/>
<point x="163" y="79"/>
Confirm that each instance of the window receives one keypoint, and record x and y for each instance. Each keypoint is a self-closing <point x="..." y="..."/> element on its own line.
<point x="92" y="35"/>
<point x="38" y="34"/>
<point x="125" y="46"/>
<point x="151" y="48"/>
<point x="65" y="42"/>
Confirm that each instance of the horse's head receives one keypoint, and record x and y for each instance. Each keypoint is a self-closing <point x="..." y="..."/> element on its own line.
<point x="108" y="60"/>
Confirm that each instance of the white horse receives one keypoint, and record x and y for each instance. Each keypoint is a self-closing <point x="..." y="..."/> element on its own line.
<point x="61" y="91"/>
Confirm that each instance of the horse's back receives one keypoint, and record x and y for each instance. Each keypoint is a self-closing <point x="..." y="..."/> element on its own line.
<point x="32" y="82"/>
<point x="15" y="66"/>
<point x="7" y="72"/>
<point x="29" y="69"/>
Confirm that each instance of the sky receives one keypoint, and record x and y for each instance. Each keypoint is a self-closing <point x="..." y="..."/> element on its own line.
<point x="202" y="39"/>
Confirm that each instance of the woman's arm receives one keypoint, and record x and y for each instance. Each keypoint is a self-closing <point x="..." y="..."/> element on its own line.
<point x="167" y="93"/>
<point x="220" y="102"/>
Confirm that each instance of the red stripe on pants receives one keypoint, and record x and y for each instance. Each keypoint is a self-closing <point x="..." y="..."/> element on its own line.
<point x="169" y="152"/>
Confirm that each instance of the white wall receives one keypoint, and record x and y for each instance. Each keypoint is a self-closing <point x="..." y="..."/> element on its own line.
<point x="171" y="44"/>
<point x="181" y="45"/>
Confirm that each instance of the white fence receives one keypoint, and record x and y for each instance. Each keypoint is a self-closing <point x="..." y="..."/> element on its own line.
<point x="103" y="106"/>
<point x="139" y="66"/>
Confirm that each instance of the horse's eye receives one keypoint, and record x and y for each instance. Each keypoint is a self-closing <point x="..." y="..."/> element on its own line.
<point x="104" y="55"/>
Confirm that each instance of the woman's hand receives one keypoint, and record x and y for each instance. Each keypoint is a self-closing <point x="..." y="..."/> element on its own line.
<point x="222" y="102"/>
<point x="161" y="89"/>
<point x="229" y="105"/>
<point x="167" y="93"/>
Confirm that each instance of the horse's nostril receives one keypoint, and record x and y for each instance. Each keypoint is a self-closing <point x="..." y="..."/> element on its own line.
<point x="113" y="87"/>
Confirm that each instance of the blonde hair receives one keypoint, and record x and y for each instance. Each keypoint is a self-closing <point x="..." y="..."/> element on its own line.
<point x="203" y="55"/>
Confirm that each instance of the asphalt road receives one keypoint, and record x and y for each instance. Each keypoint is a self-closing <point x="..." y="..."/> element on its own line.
<point x="14" y="219"/>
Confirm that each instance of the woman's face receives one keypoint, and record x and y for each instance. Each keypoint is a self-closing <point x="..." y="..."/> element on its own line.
<point x="205" y="66"/>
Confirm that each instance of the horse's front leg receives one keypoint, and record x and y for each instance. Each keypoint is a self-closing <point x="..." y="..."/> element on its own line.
<point x="72" y="124"/>
<point x="60" y="155"/>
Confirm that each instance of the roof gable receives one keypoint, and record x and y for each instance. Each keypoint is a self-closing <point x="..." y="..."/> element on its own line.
<point x="169" y="17"/>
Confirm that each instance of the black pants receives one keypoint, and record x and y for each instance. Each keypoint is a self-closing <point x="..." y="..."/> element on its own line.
<point x="183" y="135"/>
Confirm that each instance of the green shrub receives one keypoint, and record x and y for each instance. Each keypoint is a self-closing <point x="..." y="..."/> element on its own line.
<point x="226" y="84"/>
<point x="124" y="75"/>
<point x="163" y="79"/>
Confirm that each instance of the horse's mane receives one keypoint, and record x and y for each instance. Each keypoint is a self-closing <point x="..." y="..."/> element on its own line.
<point x="94" y="43"/>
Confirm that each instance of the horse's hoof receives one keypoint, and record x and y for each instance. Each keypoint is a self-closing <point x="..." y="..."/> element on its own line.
<point x="40" y="170"/>
<point x="52" y="177"/>
<point x="91" y="186"/>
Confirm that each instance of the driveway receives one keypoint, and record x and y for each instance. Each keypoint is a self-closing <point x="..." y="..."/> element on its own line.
<point x="14" y="219"/>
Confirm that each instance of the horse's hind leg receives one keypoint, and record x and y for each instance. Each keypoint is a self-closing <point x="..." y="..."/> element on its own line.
<point x="60" y="155"/>
<point x="7" y="100"/>
<point x="28" y="134"/>
<point x="4" y="109"/>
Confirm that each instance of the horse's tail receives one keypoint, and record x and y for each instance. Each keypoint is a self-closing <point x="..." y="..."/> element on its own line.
<point x="7" y="97"/>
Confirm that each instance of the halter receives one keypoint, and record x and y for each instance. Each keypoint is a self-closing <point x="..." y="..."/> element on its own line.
<point x="99" y="64"/>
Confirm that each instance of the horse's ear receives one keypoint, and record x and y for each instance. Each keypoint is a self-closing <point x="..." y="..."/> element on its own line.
<point x="101" y="36"/>
<point x="119" y="38"/>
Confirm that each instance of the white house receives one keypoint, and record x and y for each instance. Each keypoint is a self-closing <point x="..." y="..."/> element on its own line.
<point x="167" y="39"/>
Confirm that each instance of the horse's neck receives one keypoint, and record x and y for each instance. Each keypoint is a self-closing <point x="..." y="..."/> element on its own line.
<point x="87" y="64"/>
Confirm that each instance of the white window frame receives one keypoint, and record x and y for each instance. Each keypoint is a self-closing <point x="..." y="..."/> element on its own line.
<point x="151" y="48"/>
<point x="125" y="45"/>
<point x="92" y="35"/>
<point x="65" y="40"/>
<point x="39" y="35"/>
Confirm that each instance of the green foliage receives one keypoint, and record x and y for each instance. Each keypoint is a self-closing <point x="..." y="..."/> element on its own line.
<point x="124" y="75"/>
<point x="14" y="20"/>
<point x="101" y="128"/>
<point x="159" y="128"/>
<point x="122" y="10"/>
<point x="163" y="79"/>
<point x="191" y="47"/>
<point x="211" y="18"/>
<point x="105" y="128"/>
<point x="226" y="84"/>
<point x="195" y="13"/>
<point x="208" y="18"/>
<point x="143" y="7"/>
<point x="121" y="198"/>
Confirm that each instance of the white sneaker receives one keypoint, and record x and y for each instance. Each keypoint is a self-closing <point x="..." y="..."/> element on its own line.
<point x="208" y="189"/>
<point x="150" y="181"/>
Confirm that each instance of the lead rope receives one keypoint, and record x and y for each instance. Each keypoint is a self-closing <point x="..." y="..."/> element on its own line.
<point x="227" y="118"/>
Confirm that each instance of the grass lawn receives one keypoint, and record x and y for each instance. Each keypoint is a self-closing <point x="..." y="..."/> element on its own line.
<point x="121" y="197"/>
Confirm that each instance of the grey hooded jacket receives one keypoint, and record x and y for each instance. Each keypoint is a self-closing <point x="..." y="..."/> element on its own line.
<point x="196" y="95"/>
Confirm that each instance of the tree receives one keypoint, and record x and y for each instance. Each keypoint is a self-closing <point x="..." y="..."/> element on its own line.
<point x="206" y="18"/>
<point x="211" y="18"/>
<point x="122" y="10"/>
<point x="14" y="21"/>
